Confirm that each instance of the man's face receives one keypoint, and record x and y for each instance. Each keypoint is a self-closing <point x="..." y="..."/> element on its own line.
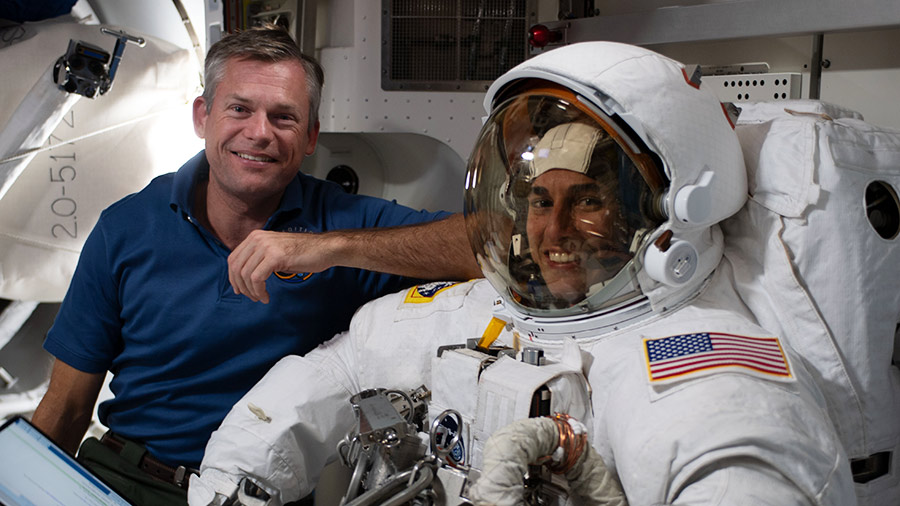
<point x="576" y="231"/>
<point x="256" y="129"/>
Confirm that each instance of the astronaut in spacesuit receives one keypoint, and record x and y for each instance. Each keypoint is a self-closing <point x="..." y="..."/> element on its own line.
<point x="593" y="198"/>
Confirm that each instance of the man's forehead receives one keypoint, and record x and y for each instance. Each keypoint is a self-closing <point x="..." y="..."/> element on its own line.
<point x="242" y="63"/>
<point x="237" y="59"/>
<point x="570" y="182"/>
<point x="562" y="176"/>
<point x="573" y="188"/>
<point x="246" y="87"/>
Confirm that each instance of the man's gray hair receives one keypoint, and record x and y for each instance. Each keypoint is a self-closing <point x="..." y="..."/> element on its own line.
<point x="268" y="43"/>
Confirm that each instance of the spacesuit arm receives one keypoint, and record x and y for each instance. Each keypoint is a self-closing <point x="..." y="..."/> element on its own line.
<point x="744" y="482"/>
<point x="282" y="433"/>
<point x="730" y="439"/>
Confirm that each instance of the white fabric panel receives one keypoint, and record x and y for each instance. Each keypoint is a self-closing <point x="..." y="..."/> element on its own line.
<point x="763" y="112"/>
<point x="811" y="267"/>
<point x="454" y="385"/>
<point x="103" y="148"/>
<point x="35" y="119"/>
<point x="506" y="388"/>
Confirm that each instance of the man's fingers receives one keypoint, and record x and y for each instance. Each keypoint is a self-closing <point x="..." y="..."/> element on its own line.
<point x="249" y="266"/>
<point x="263" y="253"/>
<point x="258" y="278"/>
<point x="236" y="261"/>
<point x="237" y="264"/>
<point x="254" y="273"/>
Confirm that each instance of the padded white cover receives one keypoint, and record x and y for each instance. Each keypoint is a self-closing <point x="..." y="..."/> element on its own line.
<point x="139" y="129"/>
<point x="811" y="267"/>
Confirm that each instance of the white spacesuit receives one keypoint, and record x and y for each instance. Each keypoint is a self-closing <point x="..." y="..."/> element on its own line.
<point x="592" y="202"/>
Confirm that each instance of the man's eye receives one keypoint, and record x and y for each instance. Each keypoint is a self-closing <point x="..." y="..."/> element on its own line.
<point x="541" y="203"/>
<point x="590" y="202"/>
<point x="238" y="108"/>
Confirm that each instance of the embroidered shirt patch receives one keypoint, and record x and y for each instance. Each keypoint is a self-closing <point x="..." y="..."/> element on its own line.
<point x="675" y="357"/>
<point x="426" y="293"/>
<point x="293" y="277"/>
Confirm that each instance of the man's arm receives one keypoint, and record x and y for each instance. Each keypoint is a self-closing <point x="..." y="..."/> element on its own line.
<point x="434" y="250"/>
<point x="65" y="412"/>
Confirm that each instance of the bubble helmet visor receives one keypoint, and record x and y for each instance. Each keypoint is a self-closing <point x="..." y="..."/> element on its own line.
<point x="559" y="205"/>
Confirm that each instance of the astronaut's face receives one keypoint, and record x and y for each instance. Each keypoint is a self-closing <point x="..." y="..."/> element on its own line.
<point x="576" y="231"/>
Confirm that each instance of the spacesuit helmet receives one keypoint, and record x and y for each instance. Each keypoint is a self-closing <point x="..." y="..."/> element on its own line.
<point x="597" y="181"/>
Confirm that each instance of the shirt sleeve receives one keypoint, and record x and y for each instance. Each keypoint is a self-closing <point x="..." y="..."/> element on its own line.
<point x="86" y="333"/>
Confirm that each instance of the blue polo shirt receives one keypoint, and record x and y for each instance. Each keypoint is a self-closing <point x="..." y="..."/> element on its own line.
<point x="150" y="301"/>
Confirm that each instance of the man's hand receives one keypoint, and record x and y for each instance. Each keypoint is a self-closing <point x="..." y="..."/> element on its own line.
<point x="432" y="250"/>
<point x="265" y="252"/>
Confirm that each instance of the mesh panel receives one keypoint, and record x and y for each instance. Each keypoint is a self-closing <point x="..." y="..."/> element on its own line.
<point x="493" y="9"/>
<point x="426" y="8"/>
<point x="452" y="44"/>
<point x="489" y="48"/>
<point x="423" y="40"/>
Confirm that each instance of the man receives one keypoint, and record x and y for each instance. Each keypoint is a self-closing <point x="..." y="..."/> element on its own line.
<point x="155" y="301"/>
<point x="576" y="225"/>
<point x="597" y="186"/>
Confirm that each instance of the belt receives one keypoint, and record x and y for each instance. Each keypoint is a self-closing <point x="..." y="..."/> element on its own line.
<point x="178" y="476"/>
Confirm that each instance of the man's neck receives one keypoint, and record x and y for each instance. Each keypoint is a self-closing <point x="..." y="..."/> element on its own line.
<point x="227" y="217"/>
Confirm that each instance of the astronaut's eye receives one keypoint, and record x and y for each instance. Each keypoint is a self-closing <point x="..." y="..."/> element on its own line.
<point x="883" y="209"/>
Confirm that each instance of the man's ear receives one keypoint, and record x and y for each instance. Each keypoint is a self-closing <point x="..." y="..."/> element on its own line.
<point x="200" y="116"/>
<point x="313" y="134"/>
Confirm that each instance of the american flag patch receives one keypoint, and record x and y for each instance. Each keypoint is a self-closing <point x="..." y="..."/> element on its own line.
<point x="670" y="358"/>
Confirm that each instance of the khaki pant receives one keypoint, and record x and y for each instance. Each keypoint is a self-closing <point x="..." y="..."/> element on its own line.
<point x="122" y="472"/>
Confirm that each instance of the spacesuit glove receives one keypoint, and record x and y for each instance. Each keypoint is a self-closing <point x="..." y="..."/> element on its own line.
<point x="212" y="488"/>
<point x="510" y="450"/>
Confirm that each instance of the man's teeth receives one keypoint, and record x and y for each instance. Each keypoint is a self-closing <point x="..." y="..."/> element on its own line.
<point x="255" y="158"/>
<point x="561" y="257"/>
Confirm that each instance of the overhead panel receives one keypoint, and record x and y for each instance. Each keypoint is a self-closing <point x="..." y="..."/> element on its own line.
<point x="731" y="19"/>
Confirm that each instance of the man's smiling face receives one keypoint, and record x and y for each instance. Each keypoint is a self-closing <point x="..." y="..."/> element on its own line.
<point x="256" y="129"/>
<point x="576" y="232"/>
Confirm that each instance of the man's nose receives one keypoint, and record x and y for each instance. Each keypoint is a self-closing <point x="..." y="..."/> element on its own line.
<point x="258" y="128"/>
<point x="561" y="223"/>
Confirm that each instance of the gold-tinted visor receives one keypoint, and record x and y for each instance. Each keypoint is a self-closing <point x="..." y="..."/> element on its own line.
<point x="558" y="203"/>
